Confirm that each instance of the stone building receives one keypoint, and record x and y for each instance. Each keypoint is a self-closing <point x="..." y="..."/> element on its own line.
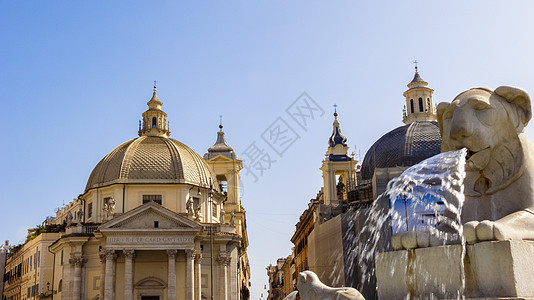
<point x="156" y="221"/>
<point x="282" y="278"/>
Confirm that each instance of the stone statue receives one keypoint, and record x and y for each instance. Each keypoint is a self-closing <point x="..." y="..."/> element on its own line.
<point x="109" y="207"/>
<point x="232" y="219"/>
<point x="499" y="183"/>
<point x="311" y="288"/>
<point x="80" y="215"/>
<point x="189" y="206"/>
<point x="69" y="218"/>
<point x="221" y="216"/>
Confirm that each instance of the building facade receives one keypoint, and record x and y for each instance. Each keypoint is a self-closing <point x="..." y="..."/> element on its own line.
<point x="156" y="221"/>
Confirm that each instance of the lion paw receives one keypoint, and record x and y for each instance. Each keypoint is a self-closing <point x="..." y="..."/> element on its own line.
<point x="406" y="240"/>
<point x="475" y="231"/>
<point x="516" y="226"/>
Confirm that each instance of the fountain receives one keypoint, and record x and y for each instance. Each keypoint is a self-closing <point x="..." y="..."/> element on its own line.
<point x="482" y="246"/>
<point x="460" y="224"/>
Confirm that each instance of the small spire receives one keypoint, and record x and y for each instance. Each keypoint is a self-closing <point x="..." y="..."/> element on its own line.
<point x="220" y="146"/>
<point x="416" y="77"/>
<point x="155" y="85"/>
<point x="337" y="137"/>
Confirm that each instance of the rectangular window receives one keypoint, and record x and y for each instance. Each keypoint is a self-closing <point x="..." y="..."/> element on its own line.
<point x="155" y="198"/>
<point x="214" y="210"/>
<point x="90" y="210"/>
<point x="61" y="261"/>
<point x="156" y="224"/>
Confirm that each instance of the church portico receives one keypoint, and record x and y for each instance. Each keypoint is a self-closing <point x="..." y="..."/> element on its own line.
<point x="135" y="251"/>
<point x="123" y="268"/>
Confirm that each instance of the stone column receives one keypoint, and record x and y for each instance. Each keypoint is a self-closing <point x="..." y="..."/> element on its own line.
<point x="171" y="278"/>
<point x="190" y="269"/>
<point x="224" y="261"/>
<point x="77" y="262"/>
<point x="110" y="261"/>
<point x="198" y="276"/>
<point x="128" y="273"/>
<point x="102" y="275"/>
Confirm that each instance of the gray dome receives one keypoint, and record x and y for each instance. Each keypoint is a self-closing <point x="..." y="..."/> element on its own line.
<point x="403" y="147"/>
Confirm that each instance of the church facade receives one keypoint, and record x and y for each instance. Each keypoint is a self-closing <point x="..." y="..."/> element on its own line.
<point x="156" y="221"/>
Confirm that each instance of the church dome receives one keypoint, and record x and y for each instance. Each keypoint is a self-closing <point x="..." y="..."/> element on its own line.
<point x="151" y="159"/>
<point x="403" y="147"/>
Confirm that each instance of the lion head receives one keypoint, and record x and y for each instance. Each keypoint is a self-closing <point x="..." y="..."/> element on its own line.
<point x="488" y="123"/>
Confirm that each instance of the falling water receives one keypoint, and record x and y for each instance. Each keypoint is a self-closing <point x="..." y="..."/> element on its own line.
<point x="427" y="197"/>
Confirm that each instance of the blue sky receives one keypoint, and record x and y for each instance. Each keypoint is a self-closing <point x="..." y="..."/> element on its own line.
<point x="76" y="76"/>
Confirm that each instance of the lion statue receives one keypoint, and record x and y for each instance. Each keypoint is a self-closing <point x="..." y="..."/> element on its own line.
<point x="499" y="182"/>
<point x="311" y="288"/>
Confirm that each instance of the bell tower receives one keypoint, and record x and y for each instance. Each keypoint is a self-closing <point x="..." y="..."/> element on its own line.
<point x="419" y="105"/>
<point x="226" y="165"/>
<point x="339" y="169"/>
<point x="154" y="119"/>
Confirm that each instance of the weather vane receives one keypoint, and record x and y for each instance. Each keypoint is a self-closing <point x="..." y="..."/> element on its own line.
<point x="220" y="122"/>
<point x="415" y="63"/>
<point x="335" y="107"/>
<point x="154" y="84"/>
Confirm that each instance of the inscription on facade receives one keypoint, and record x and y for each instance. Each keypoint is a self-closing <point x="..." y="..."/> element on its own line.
<point x="149" y="239"/>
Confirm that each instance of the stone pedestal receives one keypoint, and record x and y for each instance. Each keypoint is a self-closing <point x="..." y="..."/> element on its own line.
<point x="492" y="270"/>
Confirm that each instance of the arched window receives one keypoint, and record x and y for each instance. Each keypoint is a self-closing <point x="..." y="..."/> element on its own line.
<point x="421" y="104"/>
<point x="429" y="107"/>
<point x="154" y="122"/>
<point x="411" y="105"/>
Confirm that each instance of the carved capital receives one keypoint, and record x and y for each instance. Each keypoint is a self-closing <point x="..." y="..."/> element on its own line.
<point x="129" y="253"/>
<point x="189" y="253"/>
<point x="198" y="257"/>
<point x="224" y="259"/>
<point x="77" y="261"/>
<point x="110" y="254"/>
<point x="172" y="253"/>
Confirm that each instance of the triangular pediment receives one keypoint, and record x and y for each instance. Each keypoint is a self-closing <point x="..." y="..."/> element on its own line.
<point x="150" y="216"/>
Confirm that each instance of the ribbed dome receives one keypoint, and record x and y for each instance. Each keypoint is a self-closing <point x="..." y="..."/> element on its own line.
<point x="151" y="159"/>
<point x="403" y="147"/>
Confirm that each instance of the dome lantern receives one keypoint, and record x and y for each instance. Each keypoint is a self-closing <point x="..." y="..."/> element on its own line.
<point x="418" y="101"/>
<point x="154" y="121"/>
